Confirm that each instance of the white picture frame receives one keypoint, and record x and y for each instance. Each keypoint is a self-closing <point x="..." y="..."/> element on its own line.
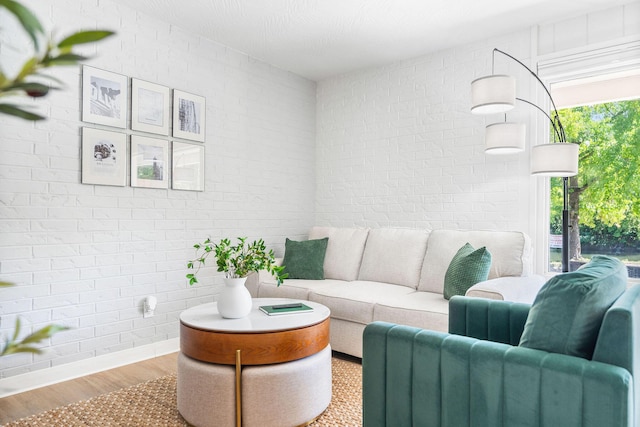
<point x="189" y="116"/>
<point x="105" y="97"/>
<point x="150" y="107"/>
<point x="104" y="157"/>
<point x="187" y="162"/>
<point x="149" y="162"/>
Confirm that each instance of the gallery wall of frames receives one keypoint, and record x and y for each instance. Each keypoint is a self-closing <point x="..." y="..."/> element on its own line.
<point x="154" y="157"/>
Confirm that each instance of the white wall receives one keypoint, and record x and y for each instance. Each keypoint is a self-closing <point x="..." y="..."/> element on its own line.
<point x="86" y="255"/>
<point x="398" y="146"/>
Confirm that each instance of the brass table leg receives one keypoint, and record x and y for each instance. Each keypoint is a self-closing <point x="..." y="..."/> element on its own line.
<point x="238" y="389"/>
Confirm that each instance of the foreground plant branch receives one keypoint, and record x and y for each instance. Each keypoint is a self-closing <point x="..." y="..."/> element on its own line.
<point x="30" y="80"/>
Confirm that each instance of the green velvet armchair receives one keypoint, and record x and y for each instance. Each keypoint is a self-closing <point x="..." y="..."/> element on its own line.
<point x="477" y="375"/>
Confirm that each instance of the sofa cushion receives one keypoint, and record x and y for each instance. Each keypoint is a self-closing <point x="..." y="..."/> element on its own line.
<point x="305" y="260"/>
<point x="394" y="255"/>
<point x="510" y="253"/>
<point x="567" y="313"/>
<point x="468" y="267"/>
<point x="292" y="288"/>
<point x="344" y="251"/>
<point x="354" y="301"/>
<point x="420" y="309"/>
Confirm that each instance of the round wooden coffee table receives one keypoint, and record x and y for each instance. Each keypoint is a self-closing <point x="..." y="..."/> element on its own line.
<point x="265" y="366"/>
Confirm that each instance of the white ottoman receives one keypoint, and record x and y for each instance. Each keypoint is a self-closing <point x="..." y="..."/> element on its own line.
<point x="297" y="391"/>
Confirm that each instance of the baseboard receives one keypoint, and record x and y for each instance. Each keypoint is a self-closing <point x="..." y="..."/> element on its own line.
<point x="69" y="371"/>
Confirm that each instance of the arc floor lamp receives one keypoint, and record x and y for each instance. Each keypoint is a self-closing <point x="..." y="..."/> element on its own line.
<point x="497" y="94"/>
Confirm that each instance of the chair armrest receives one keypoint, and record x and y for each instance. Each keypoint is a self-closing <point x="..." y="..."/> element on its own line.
<point x="419" y="377"/>
<point x="499" y="321"/>
<point x="517" y="289"/>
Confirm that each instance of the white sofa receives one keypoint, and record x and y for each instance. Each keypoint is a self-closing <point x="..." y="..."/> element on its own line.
<point x="397" y="275"/>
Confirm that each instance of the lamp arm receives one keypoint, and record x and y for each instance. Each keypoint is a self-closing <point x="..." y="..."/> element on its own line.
<point x="553" y="123"/>
<point x="557" y="125"/>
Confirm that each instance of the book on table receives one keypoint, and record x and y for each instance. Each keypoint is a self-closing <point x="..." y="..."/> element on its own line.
<point x="290" y="308"/>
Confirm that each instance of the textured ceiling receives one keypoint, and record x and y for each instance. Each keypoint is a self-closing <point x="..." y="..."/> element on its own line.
<point x="322" y="38"/>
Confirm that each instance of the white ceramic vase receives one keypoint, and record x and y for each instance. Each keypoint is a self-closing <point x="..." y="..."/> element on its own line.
<point x="234" y="301"/>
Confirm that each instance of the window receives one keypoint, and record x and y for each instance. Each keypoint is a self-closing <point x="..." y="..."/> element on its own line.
<point x="602" y="113"/>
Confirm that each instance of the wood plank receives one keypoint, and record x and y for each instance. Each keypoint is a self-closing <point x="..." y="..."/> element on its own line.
<point x="42" y="399"/>
<point x="258" y="348"/>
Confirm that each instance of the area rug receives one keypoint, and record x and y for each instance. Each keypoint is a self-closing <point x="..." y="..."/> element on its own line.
<point x="153" y="404"/>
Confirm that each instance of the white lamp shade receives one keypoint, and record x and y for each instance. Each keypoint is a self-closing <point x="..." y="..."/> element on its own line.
<point x="493" y="94"/>
<point x="504" y="138"/>
<point x="558" y="159"/>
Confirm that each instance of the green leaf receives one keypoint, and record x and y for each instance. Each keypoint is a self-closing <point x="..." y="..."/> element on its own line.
<point x="13" y="110"/>
<point x="48" y="77"/>
<point x="43" y="333"/>
<point x="17" y="331"/>
<point x="18" y="348"/>
<point x="28" y="68"/>
<point x="6" y="284"/>
<point x="31" y="88"/>
<point x="82" y="37"/>
<point x="64" y="59"/>
<point x="27" y="19"/>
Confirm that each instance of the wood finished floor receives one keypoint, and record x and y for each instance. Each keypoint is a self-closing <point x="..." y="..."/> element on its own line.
<point x="42" y="399"/>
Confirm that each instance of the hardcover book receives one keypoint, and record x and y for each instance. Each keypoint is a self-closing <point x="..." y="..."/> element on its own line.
<point x="278" y="309"/>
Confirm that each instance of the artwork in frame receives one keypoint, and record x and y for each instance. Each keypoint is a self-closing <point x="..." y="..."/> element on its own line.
<point x="149" y="162"/>
<point x="105" y="97"/>
<point x="189" y="114"/>
<point x="104" y="157"/>
<point x="149" y="107"/>
<point x="188" y="166"/>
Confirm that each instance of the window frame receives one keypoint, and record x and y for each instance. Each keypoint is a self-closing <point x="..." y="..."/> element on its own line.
<point x="621" y="56"/>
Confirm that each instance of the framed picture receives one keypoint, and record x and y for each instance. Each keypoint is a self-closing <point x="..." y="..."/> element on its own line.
<point x="188" y="167"/>
<point x="149" y="107"/>
<point x="104" y="157"/>
<point x="105" y="97"/>
<point x="149" y="162"/>
<point x="189" y="114"/>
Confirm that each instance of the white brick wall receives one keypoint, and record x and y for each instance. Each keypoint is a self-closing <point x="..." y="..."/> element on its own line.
<point x="85" y="256"/>
<point x="398" y="146"/>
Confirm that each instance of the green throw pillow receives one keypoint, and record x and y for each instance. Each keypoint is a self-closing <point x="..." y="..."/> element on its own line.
<point x="567" y="313"/>
<point x="468" y="267"/>
<point x="305" y="260"/>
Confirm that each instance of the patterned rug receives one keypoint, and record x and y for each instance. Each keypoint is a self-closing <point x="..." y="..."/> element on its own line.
<point x="153" y="404"/>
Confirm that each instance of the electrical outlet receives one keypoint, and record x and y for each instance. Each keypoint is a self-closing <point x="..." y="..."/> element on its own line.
<point x="149" y="306"/>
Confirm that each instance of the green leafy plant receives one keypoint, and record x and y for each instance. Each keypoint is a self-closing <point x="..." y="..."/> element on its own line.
<point x="30" y="80"/>
<point x="26" y="345"/>
<point x="236" y="260"/>
<point x="13" y="345"/>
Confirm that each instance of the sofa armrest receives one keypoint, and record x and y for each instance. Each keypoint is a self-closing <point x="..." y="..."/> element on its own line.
<point x="499" y="321"/>
<point x="254" y="279"/>
<point x="517" y="289"/>
<point x="414" y="377"/>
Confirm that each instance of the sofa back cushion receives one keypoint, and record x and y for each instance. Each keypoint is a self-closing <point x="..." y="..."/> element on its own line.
<point x="344" y="251"/>
<point x="394" y="255"/>
<point x="510" y="254"/>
